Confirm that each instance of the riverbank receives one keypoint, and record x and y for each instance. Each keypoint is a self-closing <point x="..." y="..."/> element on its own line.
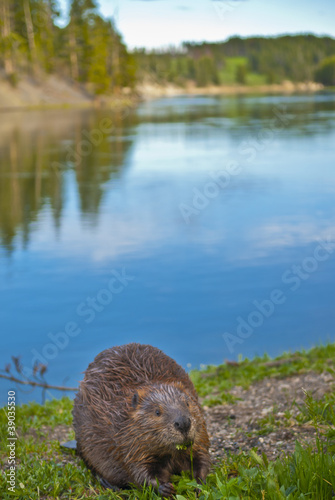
<point x="152" y="90"/>
<point x="271" y="423"/>
<point x="54" y="92"/>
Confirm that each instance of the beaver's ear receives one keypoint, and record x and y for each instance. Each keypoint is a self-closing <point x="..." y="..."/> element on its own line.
<point x="134" y="401"/>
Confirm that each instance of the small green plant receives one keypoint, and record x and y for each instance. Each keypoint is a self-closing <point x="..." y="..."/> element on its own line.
<point x="182" y="446"/>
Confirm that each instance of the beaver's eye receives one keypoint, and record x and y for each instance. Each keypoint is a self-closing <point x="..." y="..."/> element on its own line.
<point x="158" y="412"/>
<point x="187" y="404"/>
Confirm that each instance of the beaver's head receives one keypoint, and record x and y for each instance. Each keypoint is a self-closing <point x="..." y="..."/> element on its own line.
<point x="166" y="416"/>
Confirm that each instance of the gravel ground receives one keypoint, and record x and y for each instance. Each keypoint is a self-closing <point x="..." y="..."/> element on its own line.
<point x="235" y="427"/>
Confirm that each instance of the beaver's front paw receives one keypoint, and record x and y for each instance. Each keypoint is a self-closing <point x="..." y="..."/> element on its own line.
<point x="105" y="484"/>
<point x="166" y="490"/>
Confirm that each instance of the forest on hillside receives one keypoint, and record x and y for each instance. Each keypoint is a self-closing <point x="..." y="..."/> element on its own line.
<point x="89" y="51"/>
<point x="255" y="60"/>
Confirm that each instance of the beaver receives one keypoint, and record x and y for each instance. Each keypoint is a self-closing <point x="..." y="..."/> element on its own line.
<point x="137" y="419"/>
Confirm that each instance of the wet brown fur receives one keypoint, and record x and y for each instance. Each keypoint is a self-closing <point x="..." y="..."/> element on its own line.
<point x="118" y="432"/>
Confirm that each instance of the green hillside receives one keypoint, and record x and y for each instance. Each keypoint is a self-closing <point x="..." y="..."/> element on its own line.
<point x="252" y="61"/>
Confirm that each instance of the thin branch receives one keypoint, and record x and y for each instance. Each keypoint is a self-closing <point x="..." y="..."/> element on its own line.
<point x="37" y="384"/>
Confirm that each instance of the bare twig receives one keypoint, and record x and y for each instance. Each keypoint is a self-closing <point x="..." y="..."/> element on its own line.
<point x="38" y="384"/>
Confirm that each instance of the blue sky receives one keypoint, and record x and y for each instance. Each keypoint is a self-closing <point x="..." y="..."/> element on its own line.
<point x="159" y="23"/>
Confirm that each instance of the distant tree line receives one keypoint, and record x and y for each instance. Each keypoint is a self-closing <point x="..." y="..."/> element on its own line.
<point x="89" y="50"/>
<point x="326" y="71"/>
<point x="297" y="58"/>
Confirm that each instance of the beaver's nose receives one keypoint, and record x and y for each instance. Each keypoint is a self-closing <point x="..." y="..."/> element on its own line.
<point x="182" y="424"/>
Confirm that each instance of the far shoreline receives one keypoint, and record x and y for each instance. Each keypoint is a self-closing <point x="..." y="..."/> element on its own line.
<point x="150" y="91"/>
<point x="29" y="96"/>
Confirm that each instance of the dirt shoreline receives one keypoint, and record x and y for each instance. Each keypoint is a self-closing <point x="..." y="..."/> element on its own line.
<point x="150" y="91"/>
<point x="56" y="93"/>
<point x="53" y="92"/>
<point x="265" y="416"/>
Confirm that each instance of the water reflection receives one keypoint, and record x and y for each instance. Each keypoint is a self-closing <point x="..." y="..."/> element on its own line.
<point x="36" y="150"/>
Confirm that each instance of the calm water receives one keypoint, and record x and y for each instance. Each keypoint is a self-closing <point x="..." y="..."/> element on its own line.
<point x="209" y="207"/>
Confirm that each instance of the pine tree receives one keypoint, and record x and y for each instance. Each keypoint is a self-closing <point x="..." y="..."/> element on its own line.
<point x="89" y="48"/>
<point x="6" y="37"/>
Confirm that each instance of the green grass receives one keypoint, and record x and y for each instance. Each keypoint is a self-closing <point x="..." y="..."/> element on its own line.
<point x="45" y="471"/>
<point x="256" y="79"/>
<point x="214" y="382"/>
<point x="227" y="75"/>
